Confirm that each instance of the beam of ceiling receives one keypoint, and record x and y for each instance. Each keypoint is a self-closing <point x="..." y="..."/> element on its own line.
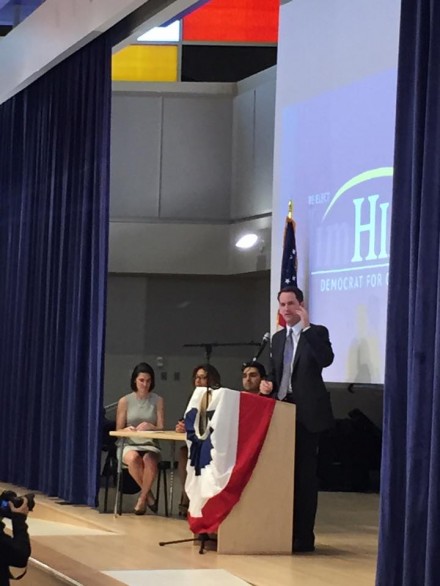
<point x="56" y="30"/>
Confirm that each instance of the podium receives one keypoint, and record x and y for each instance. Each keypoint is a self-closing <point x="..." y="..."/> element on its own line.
<point x="262" y="520"/>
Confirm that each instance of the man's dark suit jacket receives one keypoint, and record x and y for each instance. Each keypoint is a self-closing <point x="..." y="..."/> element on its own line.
<point x="314" y="352"/>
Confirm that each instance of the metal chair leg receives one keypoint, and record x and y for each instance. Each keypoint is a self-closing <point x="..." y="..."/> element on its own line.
<point x="159" y="474"/>
<point x="107" y="480"/>
<point x="119" y="489"/>
<point x="119" y="497"/>
<point x="165" y="488"/>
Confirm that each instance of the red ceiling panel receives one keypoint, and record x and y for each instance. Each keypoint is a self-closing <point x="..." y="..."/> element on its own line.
<point x="233" y="21"/>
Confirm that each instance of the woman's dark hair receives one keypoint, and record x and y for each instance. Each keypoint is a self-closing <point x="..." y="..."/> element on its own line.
<point x="142" y="367"/>
<point x="214" y="381"/>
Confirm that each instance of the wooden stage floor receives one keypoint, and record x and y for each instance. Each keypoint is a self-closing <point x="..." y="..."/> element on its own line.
<point x="82" y="544"/>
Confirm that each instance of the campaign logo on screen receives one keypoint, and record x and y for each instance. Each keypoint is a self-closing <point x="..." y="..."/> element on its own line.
<point x="351" y="232"/>
<point x="336" y="165"/>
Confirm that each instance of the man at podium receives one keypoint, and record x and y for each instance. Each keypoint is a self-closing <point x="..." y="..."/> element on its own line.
<point x="299" y="352"/>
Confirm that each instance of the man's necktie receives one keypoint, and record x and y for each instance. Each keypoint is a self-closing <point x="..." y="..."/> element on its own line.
<point x="287" y="366"/>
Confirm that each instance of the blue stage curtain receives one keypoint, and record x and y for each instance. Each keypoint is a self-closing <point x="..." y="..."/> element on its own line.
<point x="409" y="540"/>
<point x="54" y="199"/>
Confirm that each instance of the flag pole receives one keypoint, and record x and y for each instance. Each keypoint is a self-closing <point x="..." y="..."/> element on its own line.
<point x="289" y="257"/>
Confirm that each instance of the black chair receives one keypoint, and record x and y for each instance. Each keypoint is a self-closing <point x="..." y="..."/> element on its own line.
<point x="162" y="467"/>
<point x="128" y="484"/>
<point x="110" y="473"/>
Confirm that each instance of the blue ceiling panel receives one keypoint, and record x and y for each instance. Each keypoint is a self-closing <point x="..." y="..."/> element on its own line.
<point x="12" y="12"/>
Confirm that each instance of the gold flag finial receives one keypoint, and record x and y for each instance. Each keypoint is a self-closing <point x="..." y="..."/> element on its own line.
<point x="290" y="212"/>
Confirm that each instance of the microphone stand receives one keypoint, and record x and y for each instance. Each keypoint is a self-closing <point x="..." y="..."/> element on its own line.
<point x="203" y="538"/>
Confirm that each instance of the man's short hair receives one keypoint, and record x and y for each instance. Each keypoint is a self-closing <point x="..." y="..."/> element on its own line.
<point x="295" y="290"/>
<point x="257" y="365"/>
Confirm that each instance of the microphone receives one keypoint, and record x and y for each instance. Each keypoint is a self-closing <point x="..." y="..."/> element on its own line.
<point x="264" y="342"/>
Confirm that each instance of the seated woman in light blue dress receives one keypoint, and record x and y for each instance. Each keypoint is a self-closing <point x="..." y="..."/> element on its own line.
<point x="141" y="410"/>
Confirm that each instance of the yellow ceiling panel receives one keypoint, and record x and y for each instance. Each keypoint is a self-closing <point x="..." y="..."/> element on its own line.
<point x="145" y="63"/>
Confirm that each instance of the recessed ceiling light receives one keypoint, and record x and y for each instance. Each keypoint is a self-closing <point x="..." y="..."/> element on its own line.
<point x="247" y="241"/>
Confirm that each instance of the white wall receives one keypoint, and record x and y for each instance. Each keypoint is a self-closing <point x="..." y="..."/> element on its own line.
<point x="171" y="154"/>
<point x="253" y="143"/>
<point x="180" y="195"/>
<point x="175" y="215"/>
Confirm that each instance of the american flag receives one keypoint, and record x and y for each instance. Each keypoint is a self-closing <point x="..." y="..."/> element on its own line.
<point x="289" y="262"/>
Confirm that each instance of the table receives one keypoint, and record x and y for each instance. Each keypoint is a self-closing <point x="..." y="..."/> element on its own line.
<point x="171" y="436"/>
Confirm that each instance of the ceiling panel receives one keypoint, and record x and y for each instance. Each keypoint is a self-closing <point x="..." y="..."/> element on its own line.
<point x="12" y="12"/>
